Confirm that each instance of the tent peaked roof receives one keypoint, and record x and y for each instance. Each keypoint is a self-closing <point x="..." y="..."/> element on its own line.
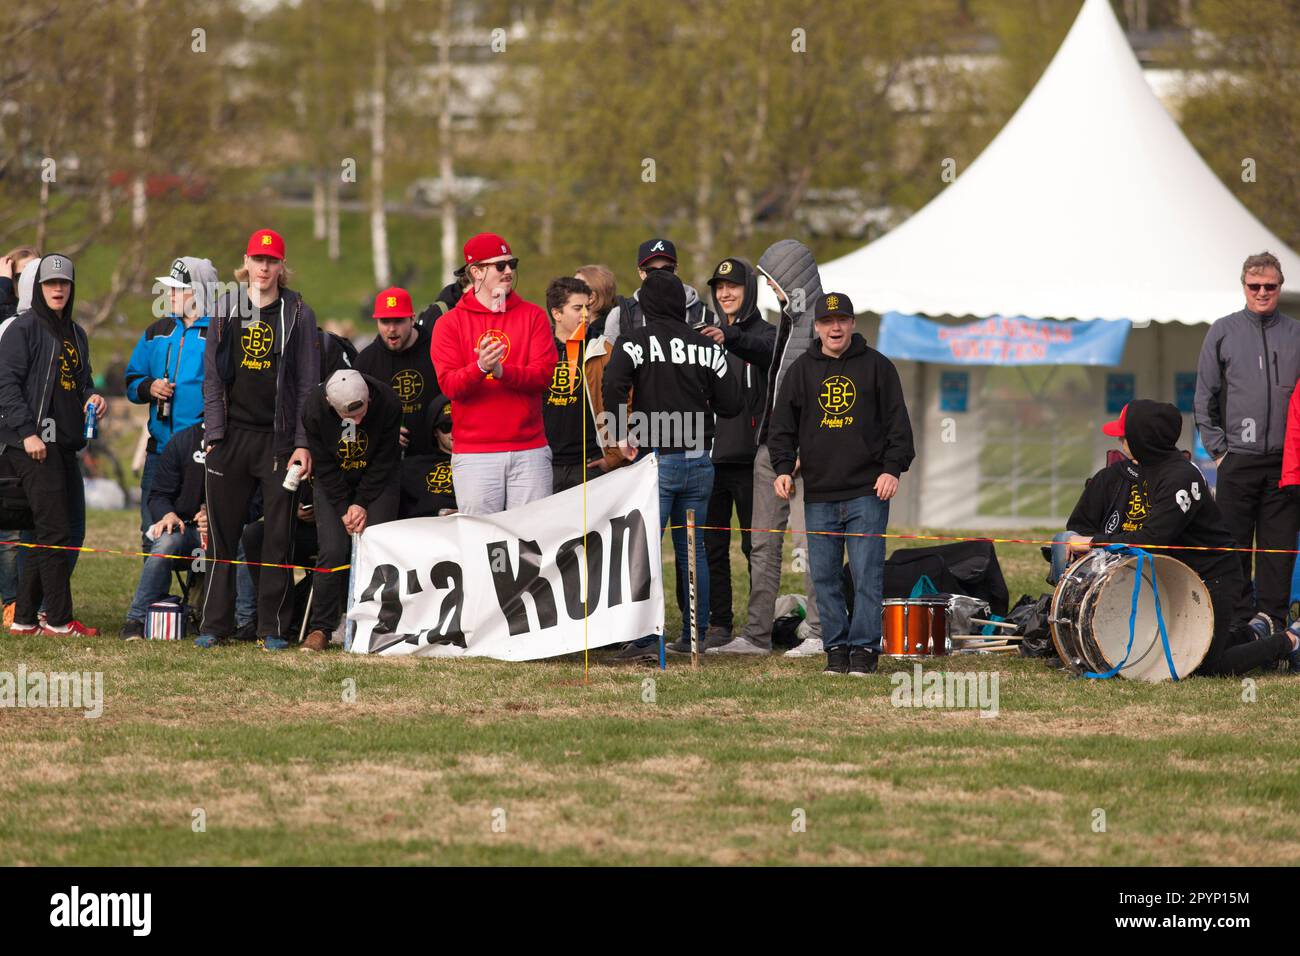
<point x="1090" y="203"/>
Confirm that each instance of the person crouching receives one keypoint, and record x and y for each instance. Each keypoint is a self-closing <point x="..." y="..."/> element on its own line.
<point x="353" y="424"/>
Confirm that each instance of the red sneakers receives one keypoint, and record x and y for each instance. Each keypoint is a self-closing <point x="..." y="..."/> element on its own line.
<point x="73" y="628"/>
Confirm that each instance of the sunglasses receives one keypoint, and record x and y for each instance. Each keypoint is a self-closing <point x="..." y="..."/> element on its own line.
<point x="1266" y="286"/>
<point x="502" y="263"/>
<point x="444" y="427"/>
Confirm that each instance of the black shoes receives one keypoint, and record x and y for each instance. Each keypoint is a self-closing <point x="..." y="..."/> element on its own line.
<point x="861" y="662"/>
<point x="837" y="660"/>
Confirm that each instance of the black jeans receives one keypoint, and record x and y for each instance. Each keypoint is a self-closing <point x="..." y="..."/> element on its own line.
<point x="242" y="460"/>
<point x="336" y="550"/>
<point x="1233" y="648"/>
<point x="46" y="575"/>
<point x="733" y="488"/>
<point x="1254" y="508"/>
<point x="564" y="477"/>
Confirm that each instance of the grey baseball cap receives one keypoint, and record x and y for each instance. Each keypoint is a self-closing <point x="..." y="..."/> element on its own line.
<point x="55" y="266"/>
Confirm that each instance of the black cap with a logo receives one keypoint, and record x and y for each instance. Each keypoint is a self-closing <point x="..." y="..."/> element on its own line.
<point x="655" y="247"/>
<point x="833" y="303"/>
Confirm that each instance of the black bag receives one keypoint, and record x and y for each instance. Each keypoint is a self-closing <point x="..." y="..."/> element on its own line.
<point x="963" y="567"/>
<point x="1030" y="615"/>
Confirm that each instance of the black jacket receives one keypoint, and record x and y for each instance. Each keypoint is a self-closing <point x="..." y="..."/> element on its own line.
<point x="844" y="418"/>
<point x="1182" y="510"/>
<point x="440" y="306"/>
<point x="8" y="296"/>
<point x="749" y="343"/>
<point x="297" y="372"/>
<point x="178" y="483"/>
<point x="427" y="487"/>
<point x="674" y="369"/>
<point x="1113" y="500"/>
<point x="354" y="472"/>
<point x="29" y="367"/>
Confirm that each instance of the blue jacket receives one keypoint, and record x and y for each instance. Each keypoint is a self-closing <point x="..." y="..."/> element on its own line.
<point x="169" y="350"/>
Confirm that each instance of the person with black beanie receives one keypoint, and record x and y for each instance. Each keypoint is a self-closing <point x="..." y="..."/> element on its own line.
<point x="682" y="380"/>
<point x="45" y="391"/>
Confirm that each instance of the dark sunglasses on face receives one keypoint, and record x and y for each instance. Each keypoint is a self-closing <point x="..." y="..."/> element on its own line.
<point x="1266" y="286"/>
<point x="501" y="265"/>
<point x="444" y="427"/>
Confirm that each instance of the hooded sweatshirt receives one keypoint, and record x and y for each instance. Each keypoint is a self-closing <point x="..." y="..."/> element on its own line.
<point x="427" y="487"/>
<point x="1247" y="370"/>
<point x="846" y="420"/>
<point x="1182" y="510"/>
<point x="358" y="469"/>
<point x="748" y="342"/>
<point x="628" y="314"/>
<point x="413" y="380"/>
<point x="1114" y="499"/>
<point x="25" y="285"/>
<point x="681" y="378"/>
<point x="490" y="414"/>
<point x="168" y="349"/>
<point x="789" y="264"/>
<point x="44" y="373"/>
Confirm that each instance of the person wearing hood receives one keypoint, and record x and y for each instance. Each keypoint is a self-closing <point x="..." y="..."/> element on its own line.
<point x="494" y="356"/>
<point x="261" y="361"/>
<point x="45" y="390"/>
<point x="445" y="301"/>
<point x="1185" y="522"/>
<point x="165" y="371"/>
<point x="17" y="269"/>
<point x="653" y="255"/>
<point x="399" y="355"/>
<point x="747" y="339"/>
<point x="841" y="411"/>
<point x="1248" y="367"/>
<point x="791" y="273"/>
<point x="681" y="380"/>
<point x="11" y="267"/>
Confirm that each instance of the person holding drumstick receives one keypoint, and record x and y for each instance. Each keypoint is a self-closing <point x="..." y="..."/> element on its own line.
<point x="1184" y="516"/>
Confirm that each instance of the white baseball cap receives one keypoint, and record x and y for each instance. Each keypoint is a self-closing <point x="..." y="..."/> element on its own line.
<point x="346" y="391"/>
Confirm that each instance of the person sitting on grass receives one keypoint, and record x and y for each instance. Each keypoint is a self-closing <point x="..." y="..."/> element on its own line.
<point x="1185" y="516"/>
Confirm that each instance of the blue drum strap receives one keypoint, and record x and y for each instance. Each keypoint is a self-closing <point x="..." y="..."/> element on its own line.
<point x="1143" y="557"/>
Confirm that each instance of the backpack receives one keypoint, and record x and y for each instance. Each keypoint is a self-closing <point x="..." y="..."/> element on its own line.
<point x="631" y="317"/>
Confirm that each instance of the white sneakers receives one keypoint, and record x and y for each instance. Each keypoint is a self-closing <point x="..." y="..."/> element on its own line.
<point x="809" y="647"/>
<point x="737" y="645"/>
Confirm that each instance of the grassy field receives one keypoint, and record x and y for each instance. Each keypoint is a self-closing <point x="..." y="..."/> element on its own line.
<point x="478" y="761"/>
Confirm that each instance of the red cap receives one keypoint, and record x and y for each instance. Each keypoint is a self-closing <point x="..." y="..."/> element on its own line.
<point x="1115" y="429"/>
<point x="265" y="242"/>
<point x="393" y="303"/>
<point x="486" y="245"/>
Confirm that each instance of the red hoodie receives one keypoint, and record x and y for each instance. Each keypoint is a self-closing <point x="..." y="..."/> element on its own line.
<point x="489" y="414"/>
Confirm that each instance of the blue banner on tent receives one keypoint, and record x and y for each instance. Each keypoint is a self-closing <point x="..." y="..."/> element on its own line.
<point x="954" y="387"/>
<point x="1002" y="341"/>
<point x="1121" y="387"/>
<point x="1185" y="391"/>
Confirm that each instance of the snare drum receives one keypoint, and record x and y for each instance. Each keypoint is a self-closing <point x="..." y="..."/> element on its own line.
<point x="915" y="627"/>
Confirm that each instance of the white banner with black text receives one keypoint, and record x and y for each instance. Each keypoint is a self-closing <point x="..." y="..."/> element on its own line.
<point x="521" y="584"/>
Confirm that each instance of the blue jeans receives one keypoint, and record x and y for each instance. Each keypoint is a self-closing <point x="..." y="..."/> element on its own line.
<point x="156" y="575"/>
<point x="245" y="591"/>
<point x="9" y="566"/>
<point x="1060" y="557"/>
<point x="867" y="515"/>
<point x="146" y="482"/>
<point x="687" y="483"/>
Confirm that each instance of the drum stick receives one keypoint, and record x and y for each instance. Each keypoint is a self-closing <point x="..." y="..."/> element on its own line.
<point x="988" y="637"/>
<point x="1004" y="624"/>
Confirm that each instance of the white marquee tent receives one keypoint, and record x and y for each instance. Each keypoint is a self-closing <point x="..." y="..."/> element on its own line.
<point x="1089" y="204"/>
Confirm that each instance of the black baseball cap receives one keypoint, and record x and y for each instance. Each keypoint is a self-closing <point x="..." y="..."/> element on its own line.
<point x="833" y="303"/>
<point x="655" y="247"/>
<point x="729" y="270"/>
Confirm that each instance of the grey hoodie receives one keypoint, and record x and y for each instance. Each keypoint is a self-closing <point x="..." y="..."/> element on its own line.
<point x="1248" y="368"/>
<point x="790" y="264"/>
<point x="27" y="284"/>
<point x="614" y="320"/>
<point x="203" y="276"/>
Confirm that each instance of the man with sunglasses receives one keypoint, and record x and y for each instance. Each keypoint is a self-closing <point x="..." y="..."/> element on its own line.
<point x="494" y="356"/>
<point x="1248" y="368"/>
<point x="654" y="255"/>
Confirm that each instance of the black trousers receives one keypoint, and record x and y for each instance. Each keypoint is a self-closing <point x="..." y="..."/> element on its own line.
<point x="336" y="549"/>
<point x="238" y="463"/>
<point x="564" y="477"/>
<point x="46" y="575"/>
<point x="1233" y="648"/>
<point x="733" y="488"/>
<point x="1255" y="509"/>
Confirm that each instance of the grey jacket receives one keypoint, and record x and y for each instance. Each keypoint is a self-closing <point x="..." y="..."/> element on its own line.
<point x="790" y="264"/>
<point x="296" y="374"/>
<point x="615" y="319"/>
<point x="1248" y="368"/>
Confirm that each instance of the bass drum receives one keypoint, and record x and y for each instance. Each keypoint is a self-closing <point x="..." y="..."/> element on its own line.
<point x="1091" y="608"/>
